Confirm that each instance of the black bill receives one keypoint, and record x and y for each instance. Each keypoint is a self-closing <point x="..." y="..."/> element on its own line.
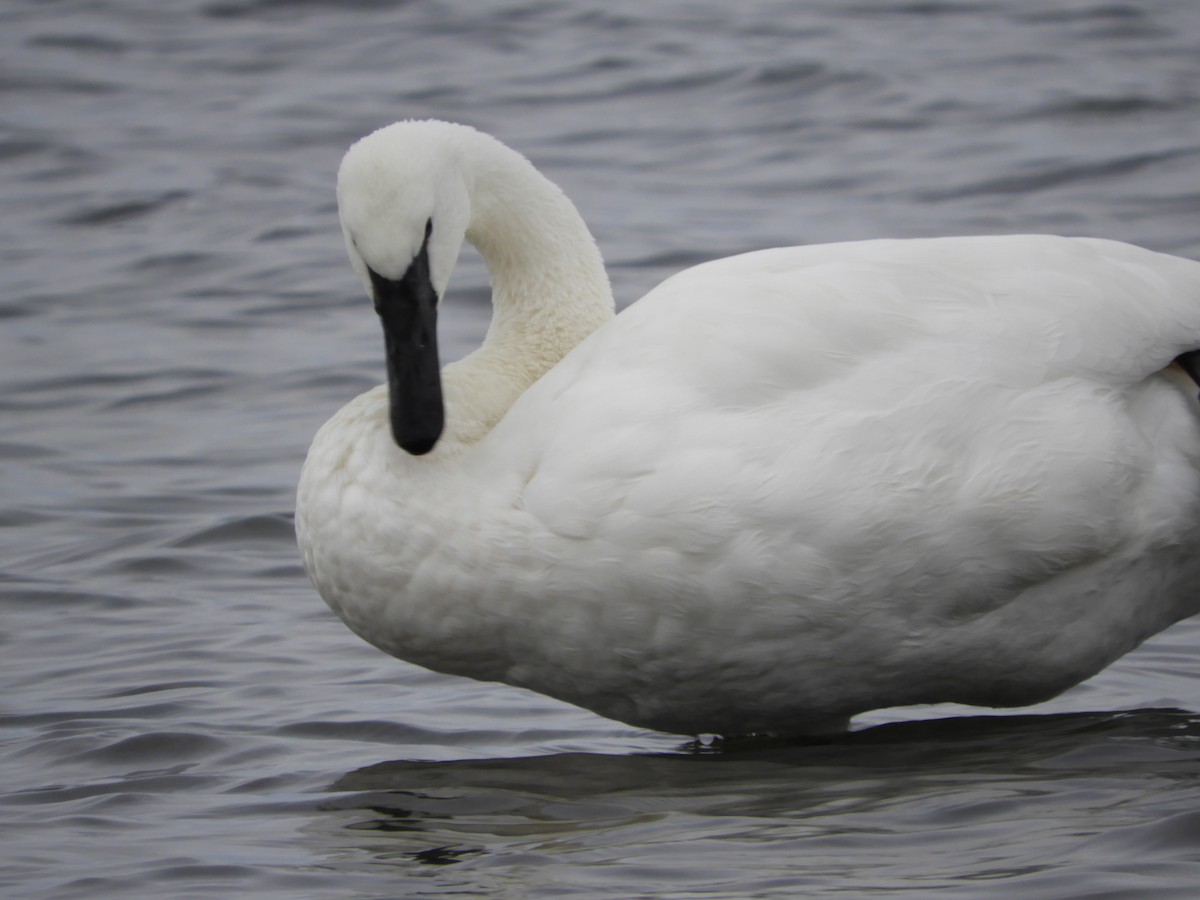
<point x="408" y="310"/>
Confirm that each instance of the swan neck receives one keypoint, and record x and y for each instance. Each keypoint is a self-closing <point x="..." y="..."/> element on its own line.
<point x="549" y="285"/>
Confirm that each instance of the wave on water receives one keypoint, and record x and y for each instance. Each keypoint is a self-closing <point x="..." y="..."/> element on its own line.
<point x="183" y="717"/>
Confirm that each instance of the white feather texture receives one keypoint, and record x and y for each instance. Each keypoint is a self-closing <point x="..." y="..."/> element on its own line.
<point x="781" y="489"/>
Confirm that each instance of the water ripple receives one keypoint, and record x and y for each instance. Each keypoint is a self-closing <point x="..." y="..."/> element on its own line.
<point x="183" y="716"/>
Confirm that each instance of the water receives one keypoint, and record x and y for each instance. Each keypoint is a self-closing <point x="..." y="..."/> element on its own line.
<point x="181" y="715"/>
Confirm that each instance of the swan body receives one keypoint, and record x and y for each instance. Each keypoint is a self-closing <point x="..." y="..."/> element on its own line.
<point x="782" y="488"/>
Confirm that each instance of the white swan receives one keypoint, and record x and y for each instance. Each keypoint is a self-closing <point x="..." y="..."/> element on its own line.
<point x="781" y="489"/>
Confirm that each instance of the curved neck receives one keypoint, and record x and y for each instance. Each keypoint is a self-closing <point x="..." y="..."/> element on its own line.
<point x="549" y="288"/>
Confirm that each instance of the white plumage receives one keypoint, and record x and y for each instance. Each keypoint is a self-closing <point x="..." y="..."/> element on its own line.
<point x="782" y="488"/>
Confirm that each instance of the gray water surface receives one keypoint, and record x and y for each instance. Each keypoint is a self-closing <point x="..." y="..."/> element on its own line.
<point x="180" y="716"/>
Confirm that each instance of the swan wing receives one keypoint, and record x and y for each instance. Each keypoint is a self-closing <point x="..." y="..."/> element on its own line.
<point x="851" y="423"/>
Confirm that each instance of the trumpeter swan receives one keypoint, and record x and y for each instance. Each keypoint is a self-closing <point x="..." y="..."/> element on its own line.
<point x="782" y="488"/>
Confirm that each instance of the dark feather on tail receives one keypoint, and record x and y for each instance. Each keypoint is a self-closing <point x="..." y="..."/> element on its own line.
<point x="1190" y="363"/>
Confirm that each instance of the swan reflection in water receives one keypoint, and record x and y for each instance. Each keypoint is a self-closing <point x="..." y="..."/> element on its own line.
<point x="945" y="801"/>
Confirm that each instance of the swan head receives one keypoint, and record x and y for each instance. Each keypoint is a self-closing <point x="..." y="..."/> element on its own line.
<point x="404" y="205"/>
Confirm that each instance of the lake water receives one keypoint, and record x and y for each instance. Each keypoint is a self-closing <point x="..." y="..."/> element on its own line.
<point x="182" y="717"/>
